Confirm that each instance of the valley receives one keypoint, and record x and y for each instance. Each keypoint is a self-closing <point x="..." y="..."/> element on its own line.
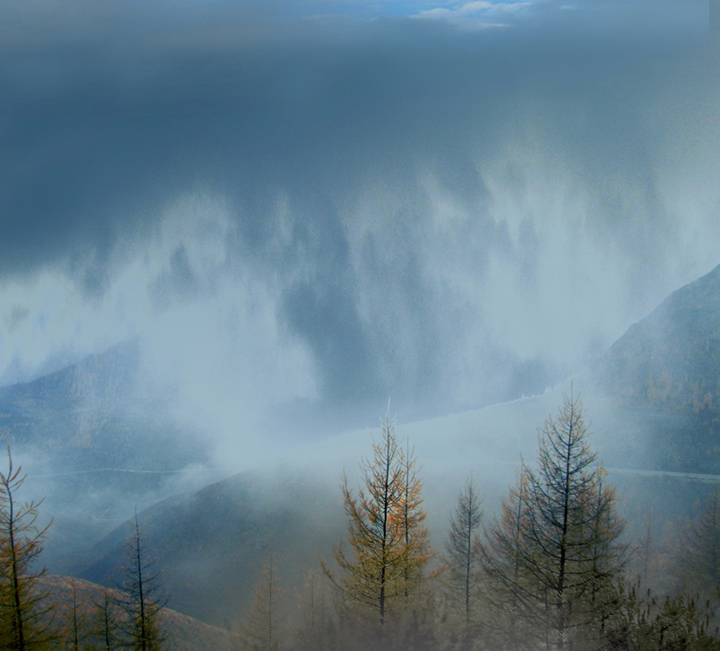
<point x="660" y="453"/>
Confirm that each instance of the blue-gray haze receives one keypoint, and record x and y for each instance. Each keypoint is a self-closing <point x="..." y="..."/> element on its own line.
<point x="302" y="208"/>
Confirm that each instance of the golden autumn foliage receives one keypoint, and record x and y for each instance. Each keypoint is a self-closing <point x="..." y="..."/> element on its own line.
<point x="25" y="610"/>
<point x="383" y="573"/>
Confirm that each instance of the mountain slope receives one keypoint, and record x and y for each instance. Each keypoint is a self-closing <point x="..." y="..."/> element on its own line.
<point x="91" y="415"/>
<point x="670" y="359"/>
<point x="93" y="446"/>
<point x="211" y="544"/>
<point x="667" y="367"/>
<point x="182" y="633"/>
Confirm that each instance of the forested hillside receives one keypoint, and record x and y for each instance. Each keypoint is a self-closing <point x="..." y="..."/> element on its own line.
<point x="499" y="529"/>
<point x="359" y="325"/>
<point x="551" y="569"/>
<point x="667" y="367"/>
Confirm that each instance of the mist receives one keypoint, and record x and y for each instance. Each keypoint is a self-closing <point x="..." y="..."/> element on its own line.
<point x="300" y="212"/>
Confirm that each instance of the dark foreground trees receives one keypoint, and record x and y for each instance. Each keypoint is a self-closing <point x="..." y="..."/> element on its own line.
<point x="104" y="623"/>
<point x="142" y="596"/>
<point x="26" y="622"/>
<point x="462" y="556"/>
<point x="553" y="555"/>
<point x="261" y="628"/>
<point x="548" y="574"/>
<point x="698" y="555"/>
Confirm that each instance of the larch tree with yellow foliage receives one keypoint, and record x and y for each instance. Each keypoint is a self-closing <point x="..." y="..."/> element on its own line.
<point x="416" y="545"/>
<point x="389" y="548"/>
<point x="26" y="610"/>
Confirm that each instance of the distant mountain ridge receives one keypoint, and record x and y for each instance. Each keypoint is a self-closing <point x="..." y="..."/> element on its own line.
<point x="68" y="406"/>
<point x="652" y="399"/>
<point x="668" y="365"/>
<point x="212" y="542"/>
<point x="65" y="427"/>
<point x="670" y="359"/>
<point x="90" y="415"/>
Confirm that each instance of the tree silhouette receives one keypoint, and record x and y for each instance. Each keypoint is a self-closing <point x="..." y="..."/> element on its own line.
<point x="260" y="629"/>
<point x="462" y="552"/>
<point x="142" y="596"/>
<point x="26" y="613"/>
<point x="105" y="626"/>
<point x="508" y="589"/>
<point x="555" y="547"/>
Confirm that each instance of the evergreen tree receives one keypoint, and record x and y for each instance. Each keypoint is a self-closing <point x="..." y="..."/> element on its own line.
<point x="142" y="596"/>
<point x="260" y="630"/>
<point x="26" y="613"/>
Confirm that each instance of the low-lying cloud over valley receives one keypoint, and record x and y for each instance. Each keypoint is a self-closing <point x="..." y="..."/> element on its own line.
<point x="301" y="209"/>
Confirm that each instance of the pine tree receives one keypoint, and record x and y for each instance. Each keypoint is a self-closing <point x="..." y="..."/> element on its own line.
<point x="260" y="630"/>
<point x="143" y="597"/>
<point x="462" y="552"/>
<point x="26" y="613"/>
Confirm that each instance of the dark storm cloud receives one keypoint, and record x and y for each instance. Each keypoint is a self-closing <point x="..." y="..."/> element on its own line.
<point x="139" y="120"/>
<point x="382" y="182"/>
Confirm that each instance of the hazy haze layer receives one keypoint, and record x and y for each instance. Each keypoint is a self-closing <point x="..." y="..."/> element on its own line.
<point x="302" y="209"/>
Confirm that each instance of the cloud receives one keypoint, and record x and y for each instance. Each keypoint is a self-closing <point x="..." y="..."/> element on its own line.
<point x="472" y="9"/>
<point x="296" y="227"/>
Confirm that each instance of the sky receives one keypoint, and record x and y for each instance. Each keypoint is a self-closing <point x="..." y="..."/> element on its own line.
<point x="303" y="208"/>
